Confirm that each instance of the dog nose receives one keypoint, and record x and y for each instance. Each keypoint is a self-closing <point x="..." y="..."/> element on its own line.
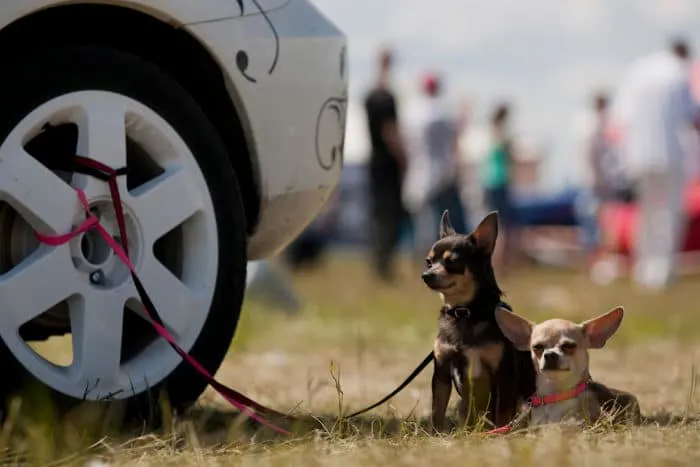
<point x="429" y="277"/>
<point x="551" y="360"/>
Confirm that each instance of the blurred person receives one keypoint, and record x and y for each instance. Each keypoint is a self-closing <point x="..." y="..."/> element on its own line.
<point x="602" y="182"/>
<point x="432" y="178"/>
<point x="497" y="176"/>
<point x="387" y="166"/>
<point x="599" y="175"/>
<point x="655" y="106"/>
<point x="693" y="142"/>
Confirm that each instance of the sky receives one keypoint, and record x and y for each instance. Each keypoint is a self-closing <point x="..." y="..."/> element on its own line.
<point x="546" y="56"/>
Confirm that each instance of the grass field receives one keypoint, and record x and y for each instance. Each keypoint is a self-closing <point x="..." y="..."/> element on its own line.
<point x="355" y="340"/>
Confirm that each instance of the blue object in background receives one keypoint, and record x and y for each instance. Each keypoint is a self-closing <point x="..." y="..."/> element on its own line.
<point x="547" y="210"/>
<point x="556" y="209"/>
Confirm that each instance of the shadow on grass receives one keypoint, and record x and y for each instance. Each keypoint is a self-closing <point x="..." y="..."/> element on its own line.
<point x="223" y="426"/>
<point x="40" y="434"/>
<point x="666" y="419"/>
<point x="217" y="423"/>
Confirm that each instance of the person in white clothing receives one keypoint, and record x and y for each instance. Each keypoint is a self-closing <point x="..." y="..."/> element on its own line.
<point x="655" y="109"/>
<point x="432" y="180"/>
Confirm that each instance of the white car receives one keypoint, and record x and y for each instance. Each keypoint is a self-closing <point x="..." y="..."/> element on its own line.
<point x="229" y="116"/>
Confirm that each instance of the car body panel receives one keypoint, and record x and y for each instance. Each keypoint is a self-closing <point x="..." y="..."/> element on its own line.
<point x="285" y="67"/>
<point x="293" y="94"/>
<point x="177" y="12"/>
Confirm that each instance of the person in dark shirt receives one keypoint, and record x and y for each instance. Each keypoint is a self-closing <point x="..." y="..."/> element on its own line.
<point x="386" y="169"/>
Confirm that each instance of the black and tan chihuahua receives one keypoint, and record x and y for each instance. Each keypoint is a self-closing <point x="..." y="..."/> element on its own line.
<point x="492" y="377"/>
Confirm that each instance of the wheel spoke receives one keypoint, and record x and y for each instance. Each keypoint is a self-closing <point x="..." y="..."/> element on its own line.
<point x="96" y="324"/>
<point x="175" y="302"/>
<point x="42" y="280"/>
<point x="164" y="203"/>
<point x="40" y="196"/>
<point x="102" y="137"/>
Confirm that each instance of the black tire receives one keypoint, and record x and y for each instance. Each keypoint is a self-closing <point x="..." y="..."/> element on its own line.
<point x="29" y="81"/>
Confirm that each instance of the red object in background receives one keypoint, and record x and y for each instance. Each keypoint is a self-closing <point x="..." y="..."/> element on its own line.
<point x="613" y="134"/>
<point x="695" y="80"/>
<point x="619" y="223"/>
<point x="430" y="82"/>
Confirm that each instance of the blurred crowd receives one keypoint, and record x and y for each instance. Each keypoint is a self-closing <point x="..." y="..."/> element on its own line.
<point x="634" y="153"/>
<point x="416" y="172"/>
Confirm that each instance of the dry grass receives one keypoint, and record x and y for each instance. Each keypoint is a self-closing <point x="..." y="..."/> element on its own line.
<point x="374" y="335"/>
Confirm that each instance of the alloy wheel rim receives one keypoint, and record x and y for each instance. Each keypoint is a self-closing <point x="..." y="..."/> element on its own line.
<point x="175" y="204"/>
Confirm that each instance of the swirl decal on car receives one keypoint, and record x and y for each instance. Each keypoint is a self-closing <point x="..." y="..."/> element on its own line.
<point x="329" y="147"/>
<point x="242" y="57"/>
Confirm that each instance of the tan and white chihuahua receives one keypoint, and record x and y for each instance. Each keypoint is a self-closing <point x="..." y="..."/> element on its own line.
<point x="559" y="350"/>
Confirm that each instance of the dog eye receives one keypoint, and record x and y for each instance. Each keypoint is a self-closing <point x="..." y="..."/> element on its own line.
<point x="538" y="348"/>
<point x="428" y="262"/>
<point x="568" y="346"/>
<point x="452" y="258"/>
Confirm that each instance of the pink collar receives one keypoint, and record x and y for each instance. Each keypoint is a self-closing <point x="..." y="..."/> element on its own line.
<point x="537" y="401"/>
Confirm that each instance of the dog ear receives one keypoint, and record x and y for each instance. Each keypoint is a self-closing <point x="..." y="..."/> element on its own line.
<point x="516" y="328"/>
<point x="598" y="330"/>
<point x="486" y="232"/>
<point x="446" y="228"/>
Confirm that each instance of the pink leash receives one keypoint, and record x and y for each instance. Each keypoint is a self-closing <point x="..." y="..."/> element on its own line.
<point x="238" y="400"/>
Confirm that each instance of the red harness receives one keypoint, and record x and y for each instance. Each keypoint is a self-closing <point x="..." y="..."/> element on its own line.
<point x="539" y="401"/>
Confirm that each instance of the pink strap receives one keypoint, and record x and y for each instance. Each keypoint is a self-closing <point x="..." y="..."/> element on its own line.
<point x="92" y="221"/>
<point x="168" y="337"/>
<point x="57" y="240"/>
<point x="503" y="430"/>
<point x="87" y="224"/>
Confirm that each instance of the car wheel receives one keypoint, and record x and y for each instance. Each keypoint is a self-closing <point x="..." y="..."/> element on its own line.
<point x="185" y="224"/>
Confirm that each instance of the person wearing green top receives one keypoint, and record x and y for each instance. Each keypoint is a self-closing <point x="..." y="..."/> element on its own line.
<point x="496" y="179"/>
<point x="496" y="173"/>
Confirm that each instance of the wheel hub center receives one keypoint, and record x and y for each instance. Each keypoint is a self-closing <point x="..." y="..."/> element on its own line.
<point x="95" y="249"/>
<point x="93" y="255"/>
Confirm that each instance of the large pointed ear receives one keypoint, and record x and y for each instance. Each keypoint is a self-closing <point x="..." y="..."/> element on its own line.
<point x="446" y="228"/>
<point x="599" y="330"/>
<point x="516" y="328"/>
<point x="486" y="232"/>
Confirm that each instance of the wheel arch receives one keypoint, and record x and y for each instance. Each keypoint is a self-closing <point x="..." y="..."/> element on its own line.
<point x="161" y="41"/>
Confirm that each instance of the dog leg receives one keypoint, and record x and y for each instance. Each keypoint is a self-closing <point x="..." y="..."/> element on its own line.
<point x="466" y="411"/>
<point x="442" y="388"/>
<point x="466" y="402"/>
<point x="504" y="400"/>
<point x="622" y="405"/>
<point x="632" y="410"/>
<point x="475" y="401"/>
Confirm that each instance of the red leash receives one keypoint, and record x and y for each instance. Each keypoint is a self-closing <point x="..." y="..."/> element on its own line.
<point x="103" y="172"/>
